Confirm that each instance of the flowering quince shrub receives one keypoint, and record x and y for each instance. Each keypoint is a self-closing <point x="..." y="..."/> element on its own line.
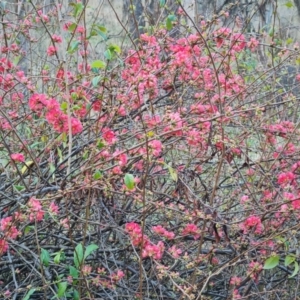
<point x="165" y="170"/>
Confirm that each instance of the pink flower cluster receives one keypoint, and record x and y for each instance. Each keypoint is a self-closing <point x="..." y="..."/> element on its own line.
<point x="286" y="178"/>
<point x="138" y="239"/>
<point x="191" y="229"/>
<point x="156" y="147"/>
<point x="19" y="157"/>
<point x="35" y="210"/>
<point x="40" y="103"/>
<point x="163" y="232"/>
<point x="8" y="230"/>
<point x="252" y="223"/>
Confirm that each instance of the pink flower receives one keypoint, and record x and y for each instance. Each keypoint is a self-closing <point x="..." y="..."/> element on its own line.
<point x="156" y="147"/>
<point x="18" y="157"/>
<point x="286" y="178"/>
<point x="235" y="280"/>
<point x="3" y="246"/>
<point x="51" y="50"/>
<point x="76" y="126"/>
<point x="6" y="226"/>
<point x="155" y="251"/>
<point x="53" y="208"/>
<point x="175" y="252"/>
<point x="109" y="136"/>
<point x="252" y="44"/>
<point x="117" y="276"/>
<point x="37" y="102"/>
<point x="191" y="229"/>
<point x="163" y="232"/>
<point x="252" y="222"/>
<point x="36" y="212"/>
<point x="56" y="38"/>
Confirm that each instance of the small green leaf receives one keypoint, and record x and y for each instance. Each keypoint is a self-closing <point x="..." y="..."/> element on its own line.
<point x="85" y="154"/>
<point x="28" y="229"/>
<point x="57" y="258"/>
<point x="73" y="272"/>
<point x="73" y="47"/>
<point x="72" y="27"/>
<point x="114" y="48"/>
<point x="59" y="152"/>
<point x="271" y="262"/>
<point x="288" y="260"/>
<point x="97" y="175"/>
<point x="78" y="255"/>
<point x="289" y="41"/>
<point x="103" y="35"/>
<point x="45" y="257"/>
<point x="19" y="188"/>
<point x="76" y="295"/>
<point x="99" y="64"/>
<point x="169" y="24"/>
<point x="100" y="144"/>
<point x="296" y="270"/>
<point x="89" y="249"/>
<point x="64" y="106"/>
<point x="52" y="168"/>
<point x="129" y="181"/>
<point x="289" y="4"/>
<point x="173" y="173"/>
<point x="96" y="80"/>
<point x="162" y="3"/>
<point x="29" y="293"/>
<point x="108" y="54"/>
<point x="169" y="21"/>
<point x="62" y="286"/>
<point x="78" y="8"/>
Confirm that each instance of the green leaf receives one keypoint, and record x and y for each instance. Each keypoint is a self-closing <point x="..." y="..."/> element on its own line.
<point x="57" y="258"/>
<point x="45" y="257"/>
<point x="29" y="293"/>
<point x="73" y="47"/>
<point x="271" y="262"/>
<point x="97" y="175"/>
<point x="28" y="229"/>
<point x="100" y="144"/>
<point x="99" y="64"/>
<point x="129" y="181"/>
<point x="289" y="41"/>
<point x="114" y="48"/>
<point x="169" y="21"/>
<point x="108" y="54"/>
<point x="169" y="24"/>
<point x="103" y="35"/>
<point x="73" y="272"/>
<point x="173" y="173"/>
<point x="52" y="169"/>
<point x="78" y="9"/>
<point x="76" y="295"/>
<point x="19" y="188"/>
<point x="62" y="286"/>
<point x="72" y="27"/>
<point x="78" y="255"/>
<point x="89" y="249"/>
<point x="102" y="28"/>
<point x="289" y="4"/>
<point x="296" y="270"/>
<point x="96" y="80"/>
<point x="288" y="260"/>
<point x="59" y="152"/>
<point x="162" y="3"/>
